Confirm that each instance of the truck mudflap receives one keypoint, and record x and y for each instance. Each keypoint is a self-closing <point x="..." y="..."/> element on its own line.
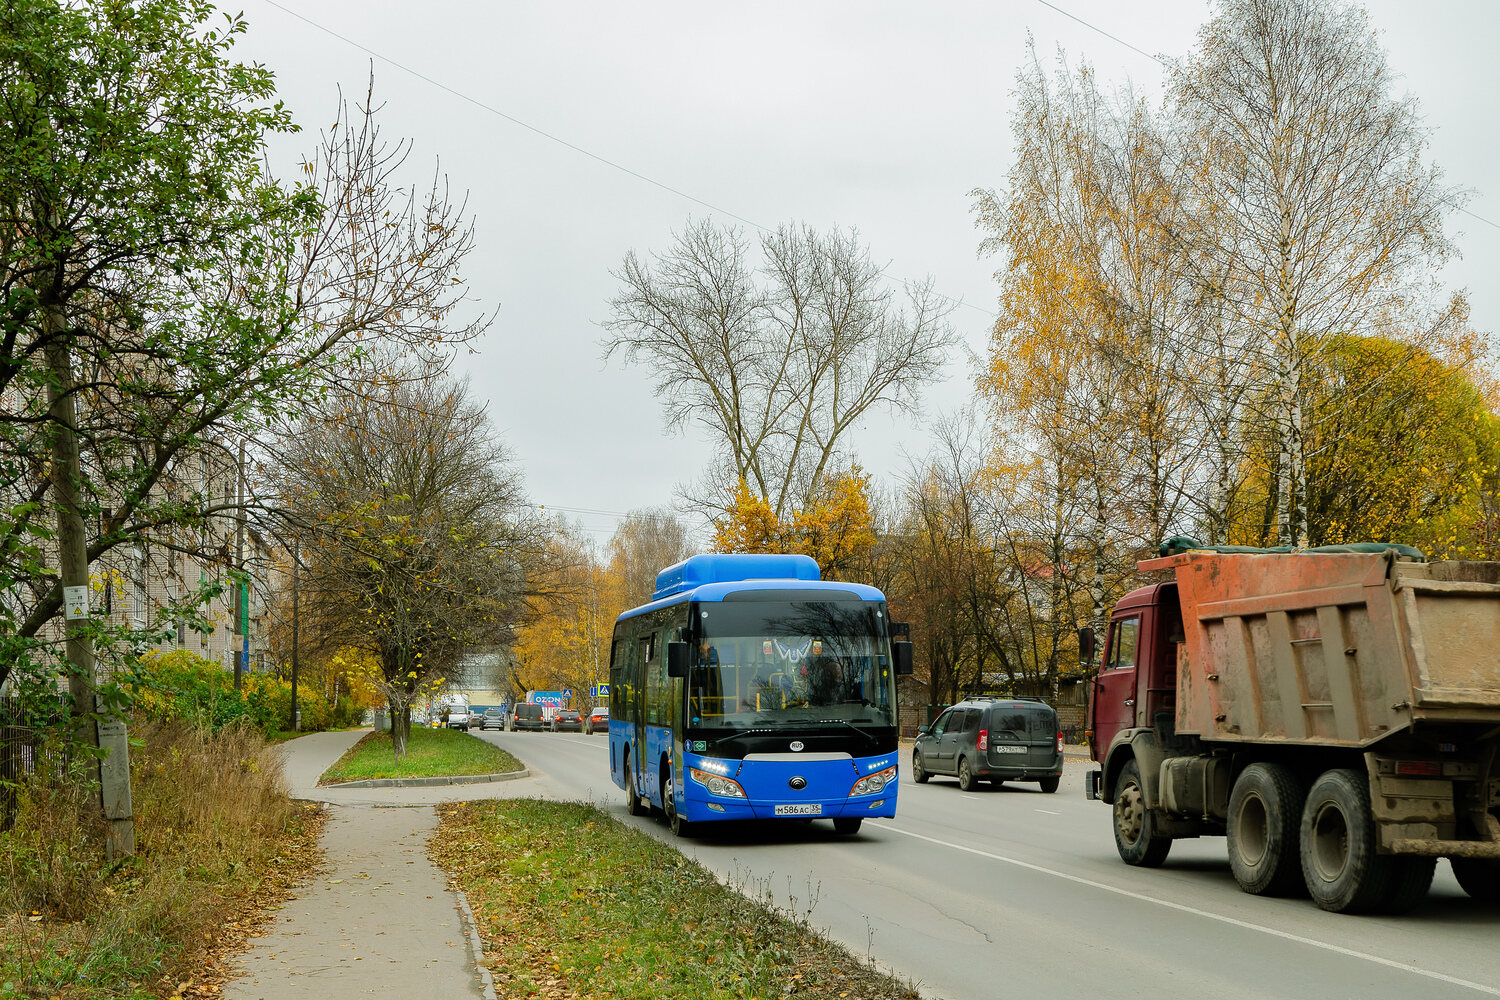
<point x="1091" y="782"/>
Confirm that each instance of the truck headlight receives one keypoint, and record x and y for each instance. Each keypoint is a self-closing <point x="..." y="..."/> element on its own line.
<point x="717" y="785"/>
<point x="873" y="783"/>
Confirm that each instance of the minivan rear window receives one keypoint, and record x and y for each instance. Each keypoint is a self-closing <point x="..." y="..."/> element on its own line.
<point x="1024" y="723"/>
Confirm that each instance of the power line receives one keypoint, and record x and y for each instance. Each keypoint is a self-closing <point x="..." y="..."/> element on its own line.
<point x="1163" y="63"/>
<point x="606" y="161"/>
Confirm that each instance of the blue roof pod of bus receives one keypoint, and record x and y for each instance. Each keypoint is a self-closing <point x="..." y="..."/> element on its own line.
<point x="695" y="571"/>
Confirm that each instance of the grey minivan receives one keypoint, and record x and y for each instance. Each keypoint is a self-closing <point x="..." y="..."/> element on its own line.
<point x="524" y="716"/>
<point x="991" y="739"/>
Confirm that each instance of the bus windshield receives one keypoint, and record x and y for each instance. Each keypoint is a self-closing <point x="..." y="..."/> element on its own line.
<point x="790" y="663"/>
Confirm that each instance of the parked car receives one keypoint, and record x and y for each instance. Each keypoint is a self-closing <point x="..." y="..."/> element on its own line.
<point x="991" y="739"/>
<point x="493" y="719"/>
<point x="458" y="718"/>
<point x="597" y="721"/>
<point x="526" y="717"/>
<point x="567" y="719"/>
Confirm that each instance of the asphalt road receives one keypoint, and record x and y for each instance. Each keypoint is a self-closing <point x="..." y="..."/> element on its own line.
<point x="1011" y="892"/>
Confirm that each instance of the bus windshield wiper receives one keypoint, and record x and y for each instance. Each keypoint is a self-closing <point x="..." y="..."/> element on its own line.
<point x="851" y="725"/>
<point x="737" y="735"/>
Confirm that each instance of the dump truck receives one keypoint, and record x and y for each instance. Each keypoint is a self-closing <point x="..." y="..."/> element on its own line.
<point x="1334" y="714"/>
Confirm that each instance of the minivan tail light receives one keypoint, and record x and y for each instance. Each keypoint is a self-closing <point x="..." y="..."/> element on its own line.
<point x="1059" y="741"/>
<point x="984" y="739"/>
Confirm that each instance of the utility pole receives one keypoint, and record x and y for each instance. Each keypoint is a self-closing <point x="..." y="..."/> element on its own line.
<point x="73" y="565"/>
<point x="296" y="566"/>
<point x="241" y="588"/>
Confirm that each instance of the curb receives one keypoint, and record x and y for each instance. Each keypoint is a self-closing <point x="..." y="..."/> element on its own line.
<point x="453" y="779"/>
<point x="476" y="946"/>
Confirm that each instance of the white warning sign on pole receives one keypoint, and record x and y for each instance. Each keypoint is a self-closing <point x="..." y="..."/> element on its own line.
<point x="76" y="602"/>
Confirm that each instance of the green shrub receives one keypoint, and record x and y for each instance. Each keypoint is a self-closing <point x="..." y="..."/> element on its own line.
<point x="182" y="686"/>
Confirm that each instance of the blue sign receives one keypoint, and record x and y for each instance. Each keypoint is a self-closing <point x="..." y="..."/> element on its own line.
<point x="554" y="698"/>
<point x="568" y="693"/>
<point x="600" y="690"/>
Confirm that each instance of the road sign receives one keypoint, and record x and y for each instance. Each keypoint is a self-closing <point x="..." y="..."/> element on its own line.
<point x="600" y="690"/>
<point x="567" y="692"/>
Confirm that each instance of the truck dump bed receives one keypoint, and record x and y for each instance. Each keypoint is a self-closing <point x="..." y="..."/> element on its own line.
<point x="1333" y="649"/>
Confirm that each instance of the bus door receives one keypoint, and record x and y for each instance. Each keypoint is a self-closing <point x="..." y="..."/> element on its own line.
<point x="644" y="714"/>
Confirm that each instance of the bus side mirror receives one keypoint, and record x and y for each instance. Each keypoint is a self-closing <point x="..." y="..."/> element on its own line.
<point x="677" y="659"/>
<point x="901" y="654"/>
<point x="900" y="630"/>
<point x="1085" y="645"/>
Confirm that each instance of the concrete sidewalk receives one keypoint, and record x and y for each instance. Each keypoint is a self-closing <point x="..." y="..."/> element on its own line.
<point x="381" y="920"/>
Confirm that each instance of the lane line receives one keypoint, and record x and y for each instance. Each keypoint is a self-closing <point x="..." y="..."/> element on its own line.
<point x="1194" y="911"/>
<point x="1049" y="812"/>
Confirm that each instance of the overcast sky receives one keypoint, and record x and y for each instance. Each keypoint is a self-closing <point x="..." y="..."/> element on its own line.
<point x="875" y="116"/>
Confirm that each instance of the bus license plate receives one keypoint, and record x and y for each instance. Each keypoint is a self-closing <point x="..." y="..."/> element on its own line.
<point x="1009" y="749"/>
<point x="811" y="809"/>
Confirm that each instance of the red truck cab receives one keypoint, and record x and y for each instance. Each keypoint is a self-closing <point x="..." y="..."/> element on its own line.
<point x="1136" y="685"/>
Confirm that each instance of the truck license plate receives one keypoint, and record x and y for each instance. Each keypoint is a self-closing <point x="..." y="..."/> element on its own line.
<point x="811" y="809"/>
<point x="1009" y="749"/>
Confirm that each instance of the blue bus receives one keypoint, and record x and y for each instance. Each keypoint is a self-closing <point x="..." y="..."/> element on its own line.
<point x="751" y="688"/>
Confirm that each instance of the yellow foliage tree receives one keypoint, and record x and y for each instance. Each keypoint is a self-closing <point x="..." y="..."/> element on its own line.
<point x="836" y="527"/>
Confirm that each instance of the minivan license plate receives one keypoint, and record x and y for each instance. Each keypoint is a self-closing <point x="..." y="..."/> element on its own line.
<point x="811" y="809"/>
<point x="1009" y="749"/>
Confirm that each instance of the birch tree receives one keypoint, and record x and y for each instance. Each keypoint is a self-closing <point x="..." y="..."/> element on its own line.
<point x="1320" y="213"/>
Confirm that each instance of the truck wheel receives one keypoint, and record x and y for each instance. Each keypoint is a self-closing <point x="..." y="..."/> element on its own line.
<point x="965" y="775"/>
<point x="1048" y="784"/>
<point x="918" y="772"/>
<point x="1479" y="877"/>
<point x="1265" y="814"/>
<point x="1135" y="827"/>
<point x="1410" y="879"/>
<point x="1339" y="864"/>
<point x="633" y="803"/>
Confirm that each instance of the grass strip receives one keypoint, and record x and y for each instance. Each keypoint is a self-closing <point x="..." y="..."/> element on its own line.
<point x="572" y="903"/>
<point x="430" y="753"/>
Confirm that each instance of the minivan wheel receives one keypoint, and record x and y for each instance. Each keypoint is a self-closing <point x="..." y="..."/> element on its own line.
<point x="918" y="772"/>
<point x="1049" y="784"/>
<point x="965" y="775"/>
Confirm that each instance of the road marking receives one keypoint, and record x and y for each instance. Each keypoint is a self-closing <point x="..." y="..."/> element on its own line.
<point x="1193" y="910"/>
<point x="1049" y="812"/>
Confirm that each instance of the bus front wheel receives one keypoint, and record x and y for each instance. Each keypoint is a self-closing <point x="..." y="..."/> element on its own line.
<point x="633" y="803"/>
<point x="847" y="825"/>
<point x="680" y="827"/>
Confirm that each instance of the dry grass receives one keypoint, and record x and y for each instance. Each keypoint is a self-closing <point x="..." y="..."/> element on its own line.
<point x="215" y="834"/>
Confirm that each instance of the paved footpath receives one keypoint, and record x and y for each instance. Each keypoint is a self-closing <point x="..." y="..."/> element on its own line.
<point x="381" y="921"/>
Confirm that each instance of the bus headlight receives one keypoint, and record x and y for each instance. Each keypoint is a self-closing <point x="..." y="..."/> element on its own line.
<point x="717" y="785"/>
<point x="872" y="783"/>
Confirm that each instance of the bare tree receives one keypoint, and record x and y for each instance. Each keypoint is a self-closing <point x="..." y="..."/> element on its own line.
<point x="779" y="362"/>
<point x="415" y="529"/>
<point x="645" y="543"/>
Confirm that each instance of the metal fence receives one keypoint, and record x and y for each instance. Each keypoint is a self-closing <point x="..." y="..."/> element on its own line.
<point x="22" y="755"/>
